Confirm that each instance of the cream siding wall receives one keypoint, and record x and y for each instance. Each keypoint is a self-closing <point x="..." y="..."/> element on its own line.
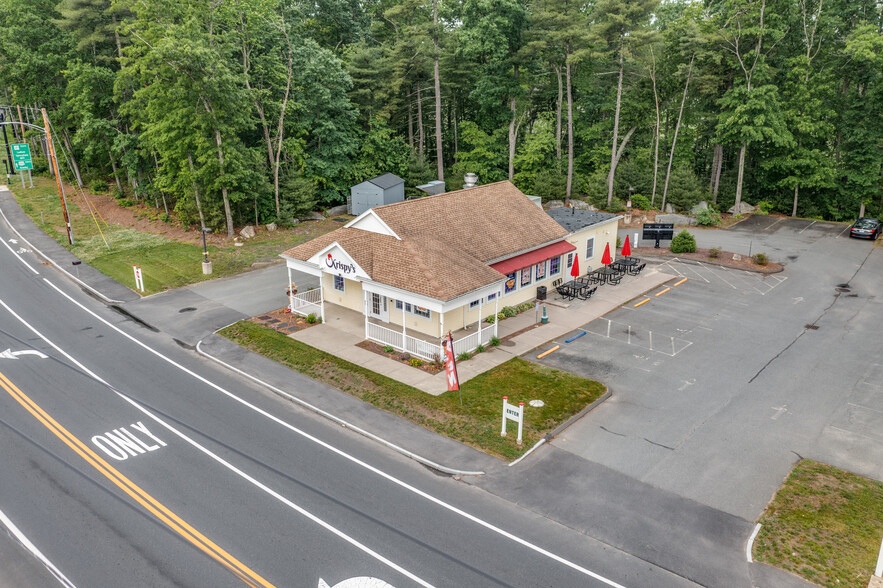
<point x="603" y="234"/>
<point x="427" y="326"/>
<point x="350" y="298"/>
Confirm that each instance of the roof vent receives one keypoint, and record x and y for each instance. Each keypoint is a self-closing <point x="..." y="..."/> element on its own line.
<point x="469" y="180"/>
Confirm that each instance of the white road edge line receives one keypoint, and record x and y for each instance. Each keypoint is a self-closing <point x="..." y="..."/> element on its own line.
<point x="58" y="267"/>
<point x="751" y="543"/>
<point x="22" y="538"/>
<point x="353" y="459"/>
<point x="302" y="511"/>
<point x="339" y="420"/>
<point x="19" y="256"/>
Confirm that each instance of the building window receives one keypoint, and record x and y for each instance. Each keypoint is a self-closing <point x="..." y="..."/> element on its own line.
<point x="590" y="248"/>
<point x="526" y="274"/>
<point x="569" y="260"/>
<point x="540" y="271"/>
<point x="554" y="266"/>
<point x="511" y="284"/>
<point x="474" y="304"/>
<point x="338" y="284"/>
<point x="491" y="296"/>
<point x="418" y="310"/>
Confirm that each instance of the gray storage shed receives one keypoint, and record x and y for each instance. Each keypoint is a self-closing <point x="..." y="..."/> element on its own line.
<point x="384" y="189"/>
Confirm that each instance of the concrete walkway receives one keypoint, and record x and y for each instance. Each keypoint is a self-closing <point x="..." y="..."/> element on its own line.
<point x="520" y="334"/>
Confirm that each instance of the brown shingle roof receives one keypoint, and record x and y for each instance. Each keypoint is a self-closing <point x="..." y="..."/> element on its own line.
<point x="488" y="222"/>
<point x="446" y="240"/>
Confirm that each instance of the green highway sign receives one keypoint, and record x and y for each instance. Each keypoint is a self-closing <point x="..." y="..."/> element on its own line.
<point x="21" y="157"/>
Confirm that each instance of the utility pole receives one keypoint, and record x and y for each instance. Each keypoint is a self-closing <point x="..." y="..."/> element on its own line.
<point x="53" y="161"/>
<point x="5" y="140"/>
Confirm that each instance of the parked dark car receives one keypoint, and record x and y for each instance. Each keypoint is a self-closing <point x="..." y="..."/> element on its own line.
<point x="866" y="228"/>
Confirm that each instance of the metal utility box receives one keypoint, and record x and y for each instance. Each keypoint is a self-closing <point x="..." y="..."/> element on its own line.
<point x="384" y="189"/>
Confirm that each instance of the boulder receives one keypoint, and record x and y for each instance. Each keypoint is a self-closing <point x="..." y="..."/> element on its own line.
<point x="744" y="208"/>
<point x="554" y="204"/>
<point x="313" y="216"/>
<point x="247" y="232"/>
<point x="669" y="209"/>
<point x="703" y="205"/>
<point x="336" y="210"/>
<point x="271" y="227"/>
<point x="582" y="205"/>
<point x="294" y="222"/>
<point x="680" y="220"/>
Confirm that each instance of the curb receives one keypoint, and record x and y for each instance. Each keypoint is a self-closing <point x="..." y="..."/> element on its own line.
<point x="420" y="459"/>
<point x="691" y="261"/>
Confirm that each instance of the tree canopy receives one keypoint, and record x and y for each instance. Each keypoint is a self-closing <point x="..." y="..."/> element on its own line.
<point x="237" y="112"/>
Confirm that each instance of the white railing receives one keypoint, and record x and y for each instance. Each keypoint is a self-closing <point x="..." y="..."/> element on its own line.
<point x="423" y="349"/>
<point x="307" y="303"/>
<point x="470" y="342"/>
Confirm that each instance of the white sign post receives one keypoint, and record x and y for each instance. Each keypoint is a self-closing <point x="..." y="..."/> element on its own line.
<point x="139" y="279"/>
<point x="510" y="411"/>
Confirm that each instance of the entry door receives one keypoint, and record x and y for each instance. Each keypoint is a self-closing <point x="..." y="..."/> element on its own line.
<point x="378" y="307"/>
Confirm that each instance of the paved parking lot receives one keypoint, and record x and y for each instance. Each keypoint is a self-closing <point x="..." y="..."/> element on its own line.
<point x="721" y="383"/>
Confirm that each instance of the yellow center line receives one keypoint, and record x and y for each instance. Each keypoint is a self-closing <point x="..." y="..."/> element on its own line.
<point x="133" y="490"/>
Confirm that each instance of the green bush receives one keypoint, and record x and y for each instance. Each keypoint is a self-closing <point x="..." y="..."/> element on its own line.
<point x="509" y="312"/>
<point x="683" y="242"/>
<point x="125" y="202"/>
<point x="764" y="207"/>
<point x="640" y="201"/>
<point x="524" y="306"/>
<point x="415" y="362"/>
<point x="618" y="241"/>
<point x="491" y="319"/>
<point x="761" y="258"/>
<point x="119" y="194"/>
<point x="388" y="348"/>
<point x="714" y="252"/>
<point x="495" y="341"/>
<point x="479" y="349"/>
<point x="463" y="356"/>
<point x="707" y="217"/>
<point x="311" y="318"/>
<point x="98" y="186"/>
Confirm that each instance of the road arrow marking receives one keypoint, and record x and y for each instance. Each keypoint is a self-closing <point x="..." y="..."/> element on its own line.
<point x="9" y="354"/>
<point x="360" y="582"/>
<point x="13" y="241"/>
<point x="798" y="299"/>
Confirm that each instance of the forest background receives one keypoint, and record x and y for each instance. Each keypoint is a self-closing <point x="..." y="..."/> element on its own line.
<point x="232" y="112"/>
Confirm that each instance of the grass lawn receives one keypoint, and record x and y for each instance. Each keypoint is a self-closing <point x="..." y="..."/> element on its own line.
<point x="476" y="423"/>
<point x="825" y="525"/>
<point x="114" y="249"/>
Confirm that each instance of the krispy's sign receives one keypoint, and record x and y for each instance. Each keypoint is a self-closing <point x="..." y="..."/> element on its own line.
<point x="340" y="266"/>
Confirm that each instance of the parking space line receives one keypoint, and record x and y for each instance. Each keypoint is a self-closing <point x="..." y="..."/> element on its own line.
<point x="806" y="227"/>
<point x="645" y="301"/>
<point x="663" y="292"/>
<point x="679" y="283"/>
<point x="843" y="231"/>
<point x="774" y="224"/>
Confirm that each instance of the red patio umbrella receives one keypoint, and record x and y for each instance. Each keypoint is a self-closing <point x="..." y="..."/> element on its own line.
<point x="605" y="259"/>
<point x="574" y="269"/>
<point x="626" y="250"/>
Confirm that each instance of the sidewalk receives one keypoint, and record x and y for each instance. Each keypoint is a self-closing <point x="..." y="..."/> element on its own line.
<point x="520" y="334"/>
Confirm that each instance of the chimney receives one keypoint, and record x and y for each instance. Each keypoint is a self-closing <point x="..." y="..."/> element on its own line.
<point x="469" y="180"/>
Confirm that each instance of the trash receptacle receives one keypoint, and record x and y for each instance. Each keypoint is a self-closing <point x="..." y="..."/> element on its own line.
<point x="541" y="292"/>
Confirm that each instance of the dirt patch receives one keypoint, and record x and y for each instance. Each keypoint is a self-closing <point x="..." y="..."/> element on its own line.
<point x="429" y="367"/>
<point x="283" y="320"/>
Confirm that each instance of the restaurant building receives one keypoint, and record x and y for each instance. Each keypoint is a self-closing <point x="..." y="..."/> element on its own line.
<point x="420" y="268"/>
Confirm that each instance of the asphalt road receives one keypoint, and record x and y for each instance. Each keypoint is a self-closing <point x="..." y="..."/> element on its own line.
<point x="129" y="460"/>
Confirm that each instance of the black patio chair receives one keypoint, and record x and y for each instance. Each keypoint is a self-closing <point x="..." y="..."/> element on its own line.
<point x="614" y="279"/>
<point x="586" y="292"/>
<point x="635" y="270"/>
<point x="566" y="291"/>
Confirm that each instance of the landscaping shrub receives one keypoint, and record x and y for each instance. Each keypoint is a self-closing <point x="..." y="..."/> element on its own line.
<point x="683" y="242"/>
<point x="509" y="312"/>
<point x="463" y="356"/>
<point x="415" y="362"/>
<point x="388" y="348"/>
<point x="491" y="319"/>
<point x="761" y="258"/>
<point x="640" y="201"/>
<point x="524" y="306"/>
<point x="311" y="318"/>
<point x="707" y="217"/>
<point x="764" y="207"/>
<point x="714" y="252"/>
<point x="479" y="349"/>
<point x="118" y="194"/>
<point x="495" y="341"/>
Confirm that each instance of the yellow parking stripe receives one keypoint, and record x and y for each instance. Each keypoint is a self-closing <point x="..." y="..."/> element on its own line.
<point x="644" y="301"/>
<point x="663" y="292"/>
<point x="681" y="282"/>
<point x="133" y="490"/>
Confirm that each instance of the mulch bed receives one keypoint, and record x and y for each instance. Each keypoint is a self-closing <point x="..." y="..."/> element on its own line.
<point x="725" y="258"/>
<point x="283" y="321"/>
<point x="402" y="357"/>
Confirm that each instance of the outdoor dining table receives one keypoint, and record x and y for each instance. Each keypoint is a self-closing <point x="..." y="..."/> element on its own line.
<point x="625" y="263"/>
<point x="605" y="274"/>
